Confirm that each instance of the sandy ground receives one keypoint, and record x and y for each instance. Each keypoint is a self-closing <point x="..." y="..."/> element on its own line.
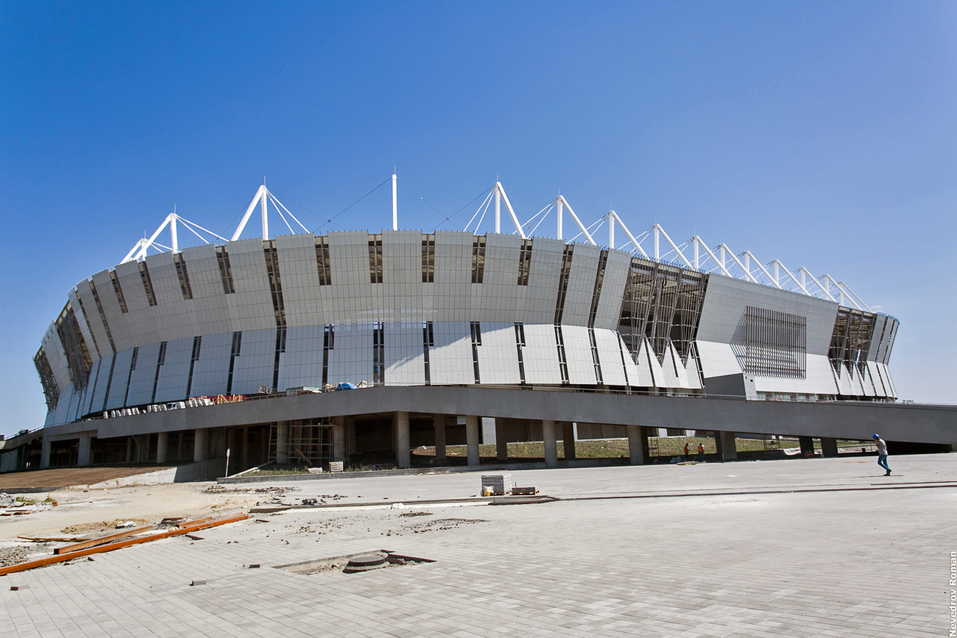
<point x="89" y="514"/>
<point x="67" y="476"/>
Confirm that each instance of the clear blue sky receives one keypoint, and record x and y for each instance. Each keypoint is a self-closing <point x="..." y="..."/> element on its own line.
<point x="821" y="134"/>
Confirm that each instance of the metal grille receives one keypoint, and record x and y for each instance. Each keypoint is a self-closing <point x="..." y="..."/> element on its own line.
<point x="774" y="344"/>
<point x="428" y="259"/>
<point x="77" y="355"/>
<point x="323" y="262"/>
<point x="147" y="283"/>
<point x="183" y="276"/>
<point x="851" y="338"/>
<point x="50" y="390"/>
<point x="375" y="259"/>
<point x="663" y="304"/>
<point x="478" y="260"/>
<point x="563" y="282"/>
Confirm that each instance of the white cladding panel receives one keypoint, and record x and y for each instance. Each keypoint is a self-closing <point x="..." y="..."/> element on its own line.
<point x="174" y="372"/>
<point x="302" y="361"/>
<point x="543" y="276"/>
<point x="818" y="380"/>
<point x="91" y="387"/>
<point x="93" y="321"/>
<point x="121" y="377"/>
<point x="453" y="277"/>
<point x="717" y="359"/>
<point x="500" y="298"/>
<point x="211" y="370"/>
<point x="250" y="307"/>
<point x="609" y="357"/>
<point x="142" y="375"/>
<point x="102" y="380"/>
<point x="498" y="354"/>
<point x="255" y="364"/>
<point x="63" y="406"/>
<point x="299" y="275"/>
<point x="351" y="359"/>
<point x="451" y="359"/>
<point x="404" y="353"/>
<point x="581" y="285"/>
<point x="540" y="355"/>
<point x="612" y="290"/>
<point x="581" y="366"/>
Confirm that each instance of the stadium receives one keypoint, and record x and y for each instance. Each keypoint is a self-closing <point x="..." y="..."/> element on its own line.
<point x="361" y="347"/>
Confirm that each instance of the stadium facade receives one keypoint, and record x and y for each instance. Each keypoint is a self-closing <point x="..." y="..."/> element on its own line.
<point x="239" y="345"/>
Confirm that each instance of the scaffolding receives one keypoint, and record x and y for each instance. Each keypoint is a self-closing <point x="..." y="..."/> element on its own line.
<point x="306" y="442"/>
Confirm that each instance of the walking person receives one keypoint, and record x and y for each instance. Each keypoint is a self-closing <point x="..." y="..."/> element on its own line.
<point x="882" y="453"/>
<point x="700" y="453"/>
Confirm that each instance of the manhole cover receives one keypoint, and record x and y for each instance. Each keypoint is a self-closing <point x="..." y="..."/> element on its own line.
<point x="353" y="563"/>
<point x="364" y="563"/>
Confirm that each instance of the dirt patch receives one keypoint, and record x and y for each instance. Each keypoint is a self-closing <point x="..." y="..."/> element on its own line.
<point x="105" y="526"/>
<point x="15" y="555"/>
<point x="70" y="476"/>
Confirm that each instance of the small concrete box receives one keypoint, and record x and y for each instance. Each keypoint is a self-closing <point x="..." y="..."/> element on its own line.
<point x="497" y="483"/>
<point x="335" y="466"/>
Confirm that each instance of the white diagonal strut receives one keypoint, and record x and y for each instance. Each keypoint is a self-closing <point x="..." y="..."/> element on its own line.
<point x="564" y="202"/>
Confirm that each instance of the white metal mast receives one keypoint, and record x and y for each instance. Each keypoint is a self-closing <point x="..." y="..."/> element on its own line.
<point x="395" y="204"/>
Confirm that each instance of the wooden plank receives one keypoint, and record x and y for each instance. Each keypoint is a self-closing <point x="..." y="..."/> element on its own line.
<point x="196" y="522"/>
<point x="54" y="539"/>
<point x="103" y="540"/>
<point x="119" y="545"/>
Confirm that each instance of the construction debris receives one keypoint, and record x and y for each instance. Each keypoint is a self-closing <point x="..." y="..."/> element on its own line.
<point x="118" y="545"/>
<point x="101" y="541"/>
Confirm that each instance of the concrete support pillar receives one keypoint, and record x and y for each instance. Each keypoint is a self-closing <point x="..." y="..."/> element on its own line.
<point x="829" y="446"/>
<point x="143" y="448"/>
<point x="162" y="447"/>
<point x="45" y="453"/>
<point x="199" y="445"/>
<point x="130" y="449"/>
<point x="551" y="445"/>
<point x="724" y="442"/>
<point x="807" y="444"/>
<point x="403" y="452"/>
<point x="282" y="443"/>
<point x="501" y="441"/>
<point x="180" y="443"/>
<point x="245" y="454"/>
<point x="636" y="447"/>
<point x="339" y="439"/>
<point x="472" y="439"/>
<point x="568" y="438"/>
<point x="438" y="421"/>
<point x="83" y="451"/>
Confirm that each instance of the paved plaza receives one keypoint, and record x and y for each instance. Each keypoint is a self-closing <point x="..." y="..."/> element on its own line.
<point x="799" y="547"/>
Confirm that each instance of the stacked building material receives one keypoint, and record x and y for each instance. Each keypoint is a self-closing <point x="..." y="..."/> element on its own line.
<point x="497" y="483"/>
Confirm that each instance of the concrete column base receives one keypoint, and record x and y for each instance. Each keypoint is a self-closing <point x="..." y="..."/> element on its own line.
<point x="438" y="422"/>
<point x="551" y="444"/>
<point x="501" y="441"/>
<point x="807" y="444"/>
<point x="45" y="453"/>
<point x="83" y="450"/>
<point x="199" y="445"/>
<point x="339" y="439"/>
<point x="472" y="439"/>
<point x="403" y="452"/>
<point x="282" y="443"/>
<point x="162" y="447"/>
<point x="829" y="446"/>
<point x="636" y="445"/>
<point x="724" y="442"/>
<point x="568" y="438"/>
